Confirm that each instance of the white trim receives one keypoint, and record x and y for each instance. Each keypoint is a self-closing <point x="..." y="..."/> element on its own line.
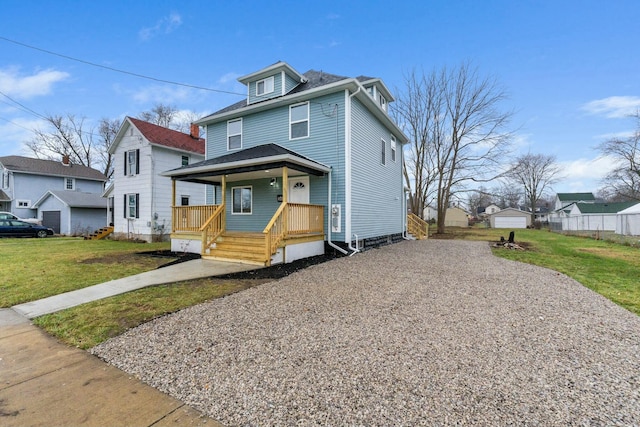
<point x="234" y="134"/>
<point x="383" y="153"/>
<point x="266" y="91"/>
<point x="394" y="154"/>
<point x="308" y="120"/>
<point x="25" y="201"/>
<point x="250" y="187"/>
<point x="347" y="166"/>
<point x="73" y="183"/>
<point x="283" y="78"/>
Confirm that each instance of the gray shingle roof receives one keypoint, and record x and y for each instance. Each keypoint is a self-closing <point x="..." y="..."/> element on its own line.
<point x="50" y="167"/>
<point x="78" y="199"/>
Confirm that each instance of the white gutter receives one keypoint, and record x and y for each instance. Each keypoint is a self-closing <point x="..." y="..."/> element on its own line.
<point x="347" y="168"/>
<point x="333" y="245"/>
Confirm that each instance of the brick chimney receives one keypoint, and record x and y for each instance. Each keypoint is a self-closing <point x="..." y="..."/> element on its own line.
<point x="65" y="160"/>
<point x="195" y="131"/>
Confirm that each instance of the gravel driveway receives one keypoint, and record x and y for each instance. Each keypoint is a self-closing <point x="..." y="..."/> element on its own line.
<point x="430" y="332"/>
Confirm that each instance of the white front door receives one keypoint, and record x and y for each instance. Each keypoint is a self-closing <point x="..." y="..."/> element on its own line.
<point x="299" y="189"/>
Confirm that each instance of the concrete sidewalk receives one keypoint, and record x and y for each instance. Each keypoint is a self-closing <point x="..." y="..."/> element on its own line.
<point x="46" y="383"/>
<point x="174" y="273"/>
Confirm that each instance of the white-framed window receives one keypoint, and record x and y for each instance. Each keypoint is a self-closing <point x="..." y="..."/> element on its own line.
<point x="185" y="160"/>
<point x="383" y="102"/>
<point x="383" y="152"/>
<point x="299" y="121"/>
<point x="5" y="179"/>
<point x="241" y="200"/>
<point x="132" y="205"/>
<point x="264" y="86"/>
<point x="184" y="200"/>
<point x="69" y="184"/>
<point x="23" y="203"/>
<point x="393" y="148"/>
<point x="132" y="162"/>
<point x="234" y="134"/>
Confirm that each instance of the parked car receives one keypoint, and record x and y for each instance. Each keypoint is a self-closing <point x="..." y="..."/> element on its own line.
<point x="9" y="215"/>
<point x="17" y="228"/>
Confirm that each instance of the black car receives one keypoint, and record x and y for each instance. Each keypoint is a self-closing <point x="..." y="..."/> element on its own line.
<point x="17" y="228"/>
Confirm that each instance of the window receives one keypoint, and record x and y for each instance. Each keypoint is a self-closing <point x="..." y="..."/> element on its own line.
<point x="185" y="160"/>
<point x="23" y="203"/>
<point x="383" y="102"/>
<point x="184" y="200"/>
<point x="69" y="184"/>
<point x="383" y="147"/>
<point x="264" y="86"/>
<point x="5" y="179"/>
<point x="299" y="121"/>
<point x="393" y="148"/>
<point x="132" y="162"/>
<point x="234" y="134"/>
<point x="241" y="200"/>
<point x="132" y="205"/>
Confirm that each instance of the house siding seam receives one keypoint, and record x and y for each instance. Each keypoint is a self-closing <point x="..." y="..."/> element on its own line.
<point x="371" y="180"/>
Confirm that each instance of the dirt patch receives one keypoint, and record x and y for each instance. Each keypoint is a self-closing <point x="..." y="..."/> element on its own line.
<point x="155" y="259"/>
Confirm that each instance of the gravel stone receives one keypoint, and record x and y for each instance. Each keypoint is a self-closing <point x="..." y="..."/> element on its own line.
<point x="435" y="332"/>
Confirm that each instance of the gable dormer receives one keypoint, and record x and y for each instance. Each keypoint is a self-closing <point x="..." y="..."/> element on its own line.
<point x="378" y="91"/>
<point x="271" y="82"/>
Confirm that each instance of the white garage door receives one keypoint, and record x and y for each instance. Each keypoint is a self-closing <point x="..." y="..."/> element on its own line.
<point x="511" y="222"/>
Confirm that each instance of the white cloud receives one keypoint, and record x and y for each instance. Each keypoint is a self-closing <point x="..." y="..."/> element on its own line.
<point x="229" y="77"/>
<point x="587" y="168"/>
<point x="165" y="25"/>
<point x="163" y="94"/>
<point x="613" y="106"/>
<point x="14" y="133"/>
<point x="20" y="86"/>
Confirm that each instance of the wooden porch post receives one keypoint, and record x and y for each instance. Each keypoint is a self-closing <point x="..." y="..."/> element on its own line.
<point x="173" y="205"/>
<point x="285" y="199"/>
<point x="222" y="202"/>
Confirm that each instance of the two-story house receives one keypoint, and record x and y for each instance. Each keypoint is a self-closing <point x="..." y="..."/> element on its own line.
<point x="303" y="161"/>
<point x="27" y="185"/>
<point x="140" y="199"/>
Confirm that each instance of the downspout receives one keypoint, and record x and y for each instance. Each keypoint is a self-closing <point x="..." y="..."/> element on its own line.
<point x="347" y="167"/>
<point x="404" y="217"/>
<point x="333" y="245"/>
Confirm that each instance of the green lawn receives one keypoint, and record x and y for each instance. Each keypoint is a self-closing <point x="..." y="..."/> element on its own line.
<point x="31" y="269"/>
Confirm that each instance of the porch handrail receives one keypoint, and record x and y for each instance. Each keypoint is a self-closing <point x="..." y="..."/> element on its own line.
<point x="190" y="218"/>
<point x="417" y="226"/>
<point x="213" y="227"/>
<point x="274" y="232"/>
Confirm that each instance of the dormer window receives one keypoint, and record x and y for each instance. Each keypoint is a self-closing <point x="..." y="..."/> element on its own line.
<point x="383" y="102"/>
<point x="264" y="86"/>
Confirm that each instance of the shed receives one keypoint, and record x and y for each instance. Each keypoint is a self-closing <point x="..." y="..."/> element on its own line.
<point x="628" y="221"/>
<point x="72" y="212"/>
<point x="456" y="217"/>
<point x="510" y="218"/>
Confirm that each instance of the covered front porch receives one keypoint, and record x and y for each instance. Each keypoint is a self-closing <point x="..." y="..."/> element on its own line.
<point x="260" y="212"/>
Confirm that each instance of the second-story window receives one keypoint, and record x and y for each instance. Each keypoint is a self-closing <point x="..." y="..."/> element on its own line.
<point x="132" y="162"/>
<point x="69" y="184"/>
<point x="185" y="160"/>
<point x="264" y="86"/>
<point x="234" y="134"/>
<point x="393" y="148"/>
<point x="383" y="102"/>
<point x="299" y="121"/>
<point x="383" y="151"/>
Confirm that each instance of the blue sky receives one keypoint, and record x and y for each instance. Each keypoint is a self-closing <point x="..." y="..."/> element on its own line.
<point x="571" y="68"/>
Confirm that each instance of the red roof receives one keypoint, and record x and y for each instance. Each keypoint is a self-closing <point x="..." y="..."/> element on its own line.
<point x="168" y="137"/>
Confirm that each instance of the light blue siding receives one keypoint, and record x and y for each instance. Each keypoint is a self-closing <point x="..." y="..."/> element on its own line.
<point x="289" y="83"/>
<point x="277" y="89"/>
<point x="377" y="189"/>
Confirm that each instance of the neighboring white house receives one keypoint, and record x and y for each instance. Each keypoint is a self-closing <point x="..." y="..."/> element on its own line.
<point x="430" y="213"/>
<point x="565" y="199"/>
<point x="628" y="221"/>
<point x="140" y="199"/>
<point x="593" y="216"/>
<point x="491" y="209"/>
<point x="510" y="218"/>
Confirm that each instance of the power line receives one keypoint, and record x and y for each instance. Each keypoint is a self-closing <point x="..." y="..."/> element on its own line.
<point x="142" y="76"/>
<point x="24" y="108"/>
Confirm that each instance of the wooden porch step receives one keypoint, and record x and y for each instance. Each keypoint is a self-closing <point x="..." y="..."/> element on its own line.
<point x="99" y="234"/>
<point x="239" y="247"/>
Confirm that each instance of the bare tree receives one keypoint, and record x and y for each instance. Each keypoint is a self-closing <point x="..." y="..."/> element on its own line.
<point x="623" y="182"/>
<point x="68" y="136"/>
<point x="536" y="173"/>
<point x="161" y="115"/>
<point x="107" y="130"/>
<point x="464" y="131"/>
<point x="479" y="198"/>
<point x="507" y="196"/>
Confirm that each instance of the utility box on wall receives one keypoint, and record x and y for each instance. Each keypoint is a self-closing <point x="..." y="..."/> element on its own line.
<point x="336" y="219"/>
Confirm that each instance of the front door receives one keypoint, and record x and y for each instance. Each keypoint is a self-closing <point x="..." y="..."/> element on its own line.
<point x="298" y="193"/>
<point x="299" y="189"/>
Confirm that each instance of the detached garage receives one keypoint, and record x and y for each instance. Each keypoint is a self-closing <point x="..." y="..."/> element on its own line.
<point x="72" y="213"/>
<point x="510" y="218"/>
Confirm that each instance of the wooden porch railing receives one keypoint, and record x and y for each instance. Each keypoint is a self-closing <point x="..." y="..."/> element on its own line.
<point x="213" y="227"/>
<point x="190" y="218"/>
<point x="417" y="226"/>
<point x="292" y="219"/>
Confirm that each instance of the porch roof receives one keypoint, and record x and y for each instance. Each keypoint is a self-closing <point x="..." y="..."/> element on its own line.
<point x="247" y="164"/>
<point x="4" y="197"/>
